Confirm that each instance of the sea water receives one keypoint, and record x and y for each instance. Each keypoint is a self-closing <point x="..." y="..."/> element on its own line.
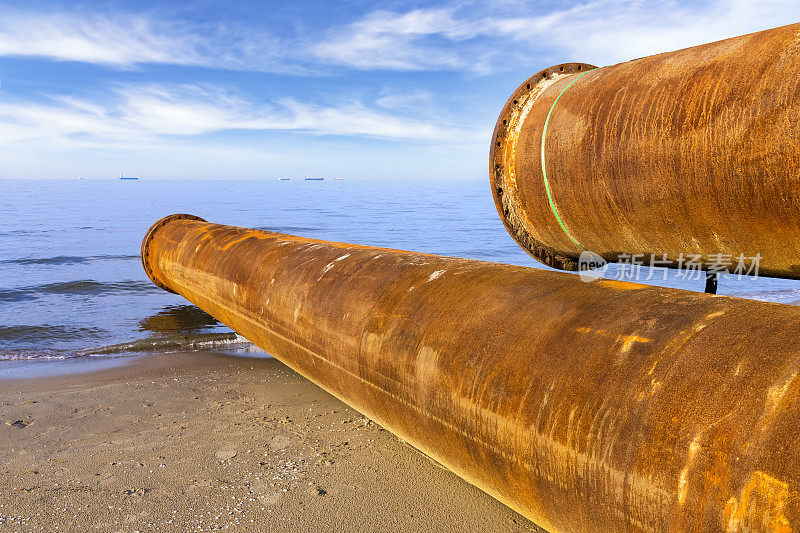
<point x="71" y="279"/>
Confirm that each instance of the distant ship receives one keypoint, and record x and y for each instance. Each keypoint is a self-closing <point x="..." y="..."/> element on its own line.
<point x="313" y="179"/>
<point x="123" y="177"/>
<point x="338" y="179"/>
<point x="284" y="179"/>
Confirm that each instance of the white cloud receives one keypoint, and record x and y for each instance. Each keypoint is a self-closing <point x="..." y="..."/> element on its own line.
<point x="609" y="31"/>
<point x="162" y="130"/>
<point x="399" y="41"/>
<point x="417" y="101"/>
<point x="145" y="113"/>
<point x="120" y="41"/>
<point x="125" y="40"/>
<point x="474" y="37"/>
<point x="354" y="118"/>
<point x="465" y="36"/>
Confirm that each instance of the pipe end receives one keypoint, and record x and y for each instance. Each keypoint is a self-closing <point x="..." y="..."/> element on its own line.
<point x="502" y="162"/>
<point x="145" y="250"/>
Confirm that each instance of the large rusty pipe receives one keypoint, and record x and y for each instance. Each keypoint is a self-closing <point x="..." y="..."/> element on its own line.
<point x="602" y="406"/>
<point x="694" y="152"/>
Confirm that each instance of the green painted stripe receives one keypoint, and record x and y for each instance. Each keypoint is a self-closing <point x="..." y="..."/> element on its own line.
<point x="544" y="170"/>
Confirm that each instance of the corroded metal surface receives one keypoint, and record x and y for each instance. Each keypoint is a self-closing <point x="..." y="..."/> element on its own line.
<point x="602" y="406"/>
<point x="695" y="152"/>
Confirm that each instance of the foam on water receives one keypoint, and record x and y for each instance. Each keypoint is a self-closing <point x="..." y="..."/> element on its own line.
<point x="173" y="343"/>
<point x="168" y="343"/>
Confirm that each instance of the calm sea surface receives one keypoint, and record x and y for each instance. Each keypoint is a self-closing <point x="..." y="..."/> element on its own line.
<point x="71" y="280"/>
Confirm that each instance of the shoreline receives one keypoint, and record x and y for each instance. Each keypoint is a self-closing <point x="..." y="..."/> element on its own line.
<point x="201" y="441"/>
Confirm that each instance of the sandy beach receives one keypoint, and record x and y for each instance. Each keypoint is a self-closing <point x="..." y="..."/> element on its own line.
<point x="203" y="441"/>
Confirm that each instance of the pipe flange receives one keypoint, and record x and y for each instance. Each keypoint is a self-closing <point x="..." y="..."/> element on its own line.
<point x="145" y="251"/>
<point x="502" y="162"/>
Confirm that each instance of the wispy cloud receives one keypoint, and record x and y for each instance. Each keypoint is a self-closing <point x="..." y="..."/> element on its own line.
<point x="145" y="113"/>
<point x="101" y="39"/>
<point x="471" y="38"/>
<point x="478" y="38"/>
<point x="125" y="40"/>
<point x="400" y="41"/>
<point x="417" y="101"/>
<point x="464" y="36"/>
<point x="609" y="31"/>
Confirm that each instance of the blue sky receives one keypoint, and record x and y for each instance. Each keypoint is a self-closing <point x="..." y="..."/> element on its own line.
<point x="359" y="89"/>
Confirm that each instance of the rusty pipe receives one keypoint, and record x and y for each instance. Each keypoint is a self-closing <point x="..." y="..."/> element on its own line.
<point x="602" y="406"/>
<point x="693" y="152"/>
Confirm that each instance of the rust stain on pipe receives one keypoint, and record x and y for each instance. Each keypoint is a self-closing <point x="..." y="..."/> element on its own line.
<point x="693" y="152"/>
<point x="584" y="406"/>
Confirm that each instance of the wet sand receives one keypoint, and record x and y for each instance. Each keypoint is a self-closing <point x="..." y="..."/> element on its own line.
<point x="203" y="441"/>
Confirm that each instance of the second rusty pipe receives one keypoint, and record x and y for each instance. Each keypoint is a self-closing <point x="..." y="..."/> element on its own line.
<point x="602" y="406"/>
<point x="683" y="154"/>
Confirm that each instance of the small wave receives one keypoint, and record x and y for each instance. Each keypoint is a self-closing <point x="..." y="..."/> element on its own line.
<point x="290" y="229"/>
<point x="25" y="232"/>
<point x="172" y="343"/>
<point x="31" y="355"/>
<point x="488" y="254"/>
<point x="37" y="333"/>
<point x="66" y="259"/>
<point x="787" y="296"/>
<point x="78" y="287"/>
